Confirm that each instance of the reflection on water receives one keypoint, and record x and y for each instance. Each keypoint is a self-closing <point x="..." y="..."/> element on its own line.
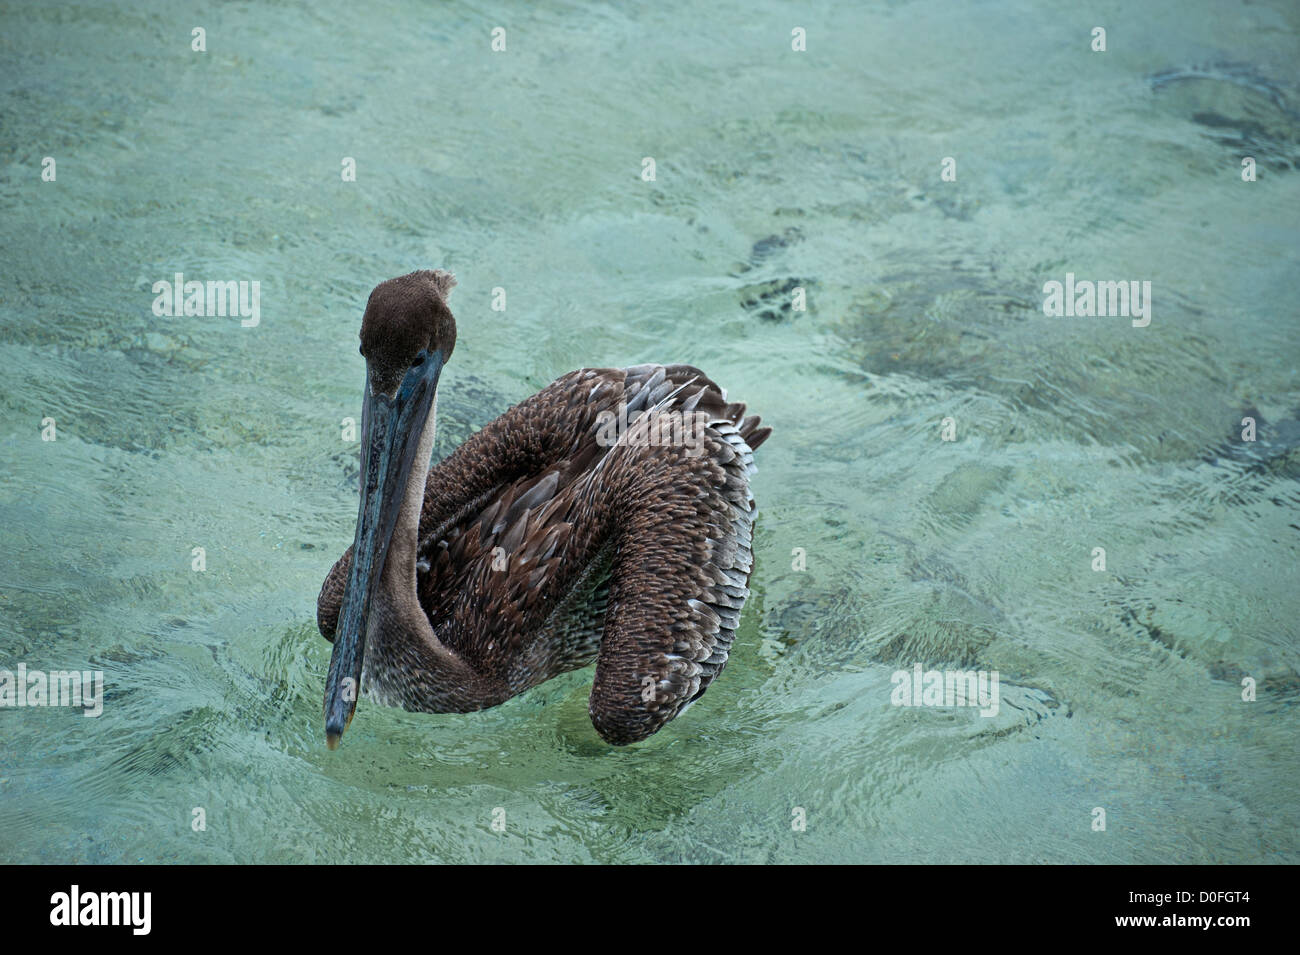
<point x="879" y="544"/>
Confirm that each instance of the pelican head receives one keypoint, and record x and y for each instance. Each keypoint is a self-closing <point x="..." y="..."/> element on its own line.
<point x="407" y="335"/>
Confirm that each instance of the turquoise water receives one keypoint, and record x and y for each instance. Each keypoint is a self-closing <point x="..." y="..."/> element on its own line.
<point x="1121" y="689"/>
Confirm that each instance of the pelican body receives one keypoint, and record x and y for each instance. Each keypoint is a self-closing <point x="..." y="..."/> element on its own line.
<point x="607" y="518"/>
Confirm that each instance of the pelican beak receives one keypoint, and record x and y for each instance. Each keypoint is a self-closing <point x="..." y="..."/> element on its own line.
<point x="391" y="427"/>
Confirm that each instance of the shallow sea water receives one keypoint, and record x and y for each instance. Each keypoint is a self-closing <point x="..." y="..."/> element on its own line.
<point x="1120" y="689"/>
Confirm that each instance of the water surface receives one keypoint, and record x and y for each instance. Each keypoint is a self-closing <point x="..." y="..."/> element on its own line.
<point x="775" y="170"/>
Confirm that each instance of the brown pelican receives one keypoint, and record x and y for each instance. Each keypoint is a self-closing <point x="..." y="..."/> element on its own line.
<point x="606" y="518"/>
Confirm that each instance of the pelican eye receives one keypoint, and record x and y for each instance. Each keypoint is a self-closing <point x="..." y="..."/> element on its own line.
<point x="419" y="360"/>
